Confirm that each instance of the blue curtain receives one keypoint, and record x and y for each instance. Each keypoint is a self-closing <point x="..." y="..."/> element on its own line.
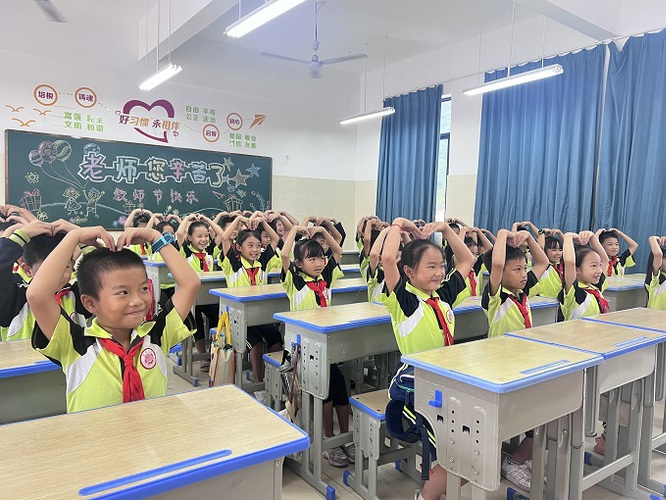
<point x="539" y="146"/>
<point x="632" y="170"/>
<point x="408" y="151"/>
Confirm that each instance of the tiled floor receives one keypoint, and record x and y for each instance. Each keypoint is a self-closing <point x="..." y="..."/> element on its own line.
<point x="392" y="484"/>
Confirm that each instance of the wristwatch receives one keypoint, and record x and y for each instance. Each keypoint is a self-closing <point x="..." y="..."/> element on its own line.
<point x="163" y="241"/>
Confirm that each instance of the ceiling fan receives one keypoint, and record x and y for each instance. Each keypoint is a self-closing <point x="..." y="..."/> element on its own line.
<point x="315" y="64"/>
<point x="51" y="11"/>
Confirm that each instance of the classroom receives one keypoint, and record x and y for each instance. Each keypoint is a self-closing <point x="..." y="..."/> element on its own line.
<point x="253" y="124"/>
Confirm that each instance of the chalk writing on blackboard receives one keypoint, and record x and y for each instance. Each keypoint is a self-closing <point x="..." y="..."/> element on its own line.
<point x="101" y="182"/>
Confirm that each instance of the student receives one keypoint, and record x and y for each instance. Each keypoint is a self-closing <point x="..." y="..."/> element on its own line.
<point x="550" y="284"/>
<point x="245" y="264"/>
<point x="505" y="301"/>
<point x="655" y="277"/>
<point x="196" y="245"/>
<point x="308" y="281"/>
<point x="374" y="273"/>
<point x="34" y="242"/>
<point x="120" y="357"/>
<point x="139" y="217"/>
<point x="610" y="241"/>
<point x="163" y="225"/>
<point x="584" y="276"/>
<point x="420" y="302"/>
<point x="319" y="236"/>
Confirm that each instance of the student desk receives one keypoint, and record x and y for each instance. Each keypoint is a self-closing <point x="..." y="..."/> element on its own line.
<point x="474" y="400"/>
<point x="326" y="336"/>
<point x="255" y="305"/>
<point x="214" y="443"/>
<point x="629" y="356"/>
<point x="349" y="271"/>
<point x="31" y="386"/>
<point x="472" y="322"/>
<point x="349" y="257"/>
<point x="651" y="320"/>
<point x="209" y="280"/>
<point x="158" y="272"/>
<point x="626" y="292"/>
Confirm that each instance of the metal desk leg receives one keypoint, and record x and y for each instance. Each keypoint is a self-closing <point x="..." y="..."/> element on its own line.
<point x="538" y="462"/>
<point x="577" y="455"/>
<point x="186" y="369"/>
<point x="591" y="401"/>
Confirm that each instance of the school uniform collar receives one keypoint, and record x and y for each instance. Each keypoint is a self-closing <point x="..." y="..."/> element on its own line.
<point x="419" y="293"/>
<point x="307" y="278"/>
<point x="589" y="286"/>
<point x="96" y="330"/>
<point x="246" y="263"/>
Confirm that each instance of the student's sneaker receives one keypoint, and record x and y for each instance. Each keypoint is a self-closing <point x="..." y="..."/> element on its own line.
<point x="518" y="474"/>
<point x="336" y="457"/>
<point x="262" y="397"/>
<point x="350" y="451"/>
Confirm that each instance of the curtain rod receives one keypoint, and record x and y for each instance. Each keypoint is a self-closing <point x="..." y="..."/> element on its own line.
<point x="585" y="47"/>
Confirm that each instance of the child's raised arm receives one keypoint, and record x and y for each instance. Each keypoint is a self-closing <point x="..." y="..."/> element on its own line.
<point x="589" y="238"/>
<point x="481" y="240"/>
<point x="336" y="249"/>
<point x="569" y="259"/>
<point x="129" y="222"/>
<point x="183" y="227"/>
<point x="289" y="245"/>
<point x="540" y="260"/>
<point x="229" y="231"/>
<point x="376" y="250"/>
<point x="46" y="282"/>
<point x="631" y="244"/>
<point x="328" y="224"/>
<point x="187" y="281"/>
<point x="367" y="236"/>
<point x="216" y="229"/>
<point x="657" y="255"/>
<point x="464" y="258"/>
<point x="389" y="256"/>
<point x="275" y="239"/>
<point x="498" y="261"/>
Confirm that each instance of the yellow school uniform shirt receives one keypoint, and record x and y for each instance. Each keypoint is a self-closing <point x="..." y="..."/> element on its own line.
<point x="236" y="268"/>
<point x="622" y="262"/>
<point x="503" y="313"/>
<point x="94" y="375"/>
<point x="414" y="321"/>
<point x="144" y="250"/>
<point x="211" y="252"/>
<point x="656" y="288"/>
<point x="577" y="303"/>
<point x="550" y="284"/>
<point x="295" y="283"/>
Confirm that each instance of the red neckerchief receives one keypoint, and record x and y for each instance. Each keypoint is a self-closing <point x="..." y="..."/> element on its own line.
<point x="441" y="321"/>
<point x="472" y="282"/>
<point x="611" y="265"/>
<point x="524" y="309"/>
<point x="252" y="274"/>
<point x="319" y="287"/>
<point x="202" y="259"/>
<point x="604" y="307"/>
<point x="151" y="307"/>
<point x="132" y="384"/>
<point x="143" y="249"/>
<point x="59" y="295"/>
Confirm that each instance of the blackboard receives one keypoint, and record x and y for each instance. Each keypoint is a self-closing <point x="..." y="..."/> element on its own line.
<point x="98" y="182"/>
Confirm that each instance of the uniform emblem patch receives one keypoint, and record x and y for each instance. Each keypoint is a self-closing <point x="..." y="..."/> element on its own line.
<point x="449" y="316"/>
<point x="148" y="359"/>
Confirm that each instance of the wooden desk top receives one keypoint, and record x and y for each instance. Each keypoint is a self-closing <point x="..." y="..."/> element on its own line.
<point x="213" y="431"/>
<point x="626" y="282"/>
<point x="19" y="358"/>
<point x="276" y="291"/>
<point x="605" y="339"/>
<point x="211" y="276"/>
<point x="470" y="304"/>
<point x="640" y="317"/>
<point x="502" y="364"/>
<point x="330" y="319"/>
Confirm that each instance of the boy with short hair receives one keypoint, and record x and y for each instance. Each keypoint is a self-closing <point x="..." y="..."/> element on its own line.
<point x="32" y="242"/>
<point x="617" y="262"/>
<point x="120" y="357"/>
<point x="505" y="301"/>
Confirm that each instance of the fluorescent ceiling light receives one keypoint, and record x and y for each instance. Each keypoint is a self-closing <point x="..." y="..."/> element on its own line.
<point x="270" y="10"/>
<point x="510" y="81"/>
<point x="367" y="116"/>
<point x="160" y="77"/>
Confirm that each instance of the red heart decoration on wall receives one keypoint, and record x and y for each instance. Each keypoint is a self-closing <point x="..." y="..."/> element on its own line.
<point x="161" y="103"/>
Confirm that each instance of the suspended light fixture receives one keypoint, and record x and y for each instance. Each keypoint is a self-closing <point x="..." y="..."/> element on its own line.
<point x="258" y="17"/>
<point x="372" y="114"/>
<point x="513" y="80"/>
<point x="161" y="75"/>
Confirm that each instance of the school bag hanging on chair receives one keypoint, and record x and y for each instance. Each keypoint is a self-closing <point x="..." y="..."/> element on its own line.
<point x="223" y="357"/>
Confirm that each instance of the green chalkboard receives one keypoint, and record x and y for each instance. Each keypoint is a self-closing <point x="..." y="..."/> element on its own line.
<point x="98" y="182"/>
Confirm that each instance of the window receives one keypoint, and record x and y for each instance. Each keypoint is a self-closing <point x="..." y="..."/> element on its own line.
<point x="443" y="163"/>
